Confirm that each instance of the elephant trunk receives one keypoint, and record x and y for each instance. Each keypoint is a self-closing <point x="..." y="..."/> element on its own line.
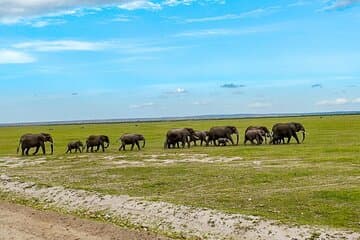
<point x="17" y="150"/>
<point x="143" y="143"/>
<point x="107" y="144"/>
<point x="303" y="136"/>
<point x="237" y="137"/>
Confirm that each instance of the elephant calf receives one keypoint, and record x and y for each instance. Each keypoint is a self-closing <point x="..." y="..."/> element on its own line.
<point x="254" y="134"/>
<point x="223" y="141"/>
<point x="131" y="139"/>
<point x="78" y="146"/>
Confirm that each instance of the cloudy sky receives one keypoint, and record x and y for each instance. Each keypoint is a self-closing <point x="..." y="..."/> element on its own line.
<point x="96" y="59"/>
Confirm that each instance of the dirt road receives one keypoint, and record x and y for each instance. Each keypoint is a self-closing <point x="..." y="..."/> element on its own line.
<point x="20" y="223"/>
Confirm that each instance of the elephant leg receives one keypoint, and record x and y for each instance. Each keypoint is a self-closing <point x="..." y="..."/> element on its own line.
<point x="258" y="140"/>
<point x="132" y="146"/>
<point x="36" y="150"/>
<point x="296" y="138"/>
<point x="76" y="150"/>
<point x="80" y="150"/>
<point x="288" y="141"/>
<point x="103" y="147"/>
<point x="137" y="144"/>
<point x="43" y="148"/>
<point x="27" y="151"/>
<point x="23" y="151"/>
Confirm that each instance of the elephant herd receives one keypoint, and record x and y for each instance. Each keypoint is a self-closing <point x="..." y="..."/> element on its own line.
<point x="218" y="136"/>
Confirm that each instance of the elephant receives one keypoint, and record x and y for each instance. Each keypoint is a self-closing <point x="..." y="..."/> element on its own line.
<point x="266" y="132"/>
<point x="223" y="141"/>
<point x="97" y="141"/>
<point x="78" y="146"/>
<point x="182" y="135"/>
<point x="254" y="134"/>
<point x="287" y="130"/>
<point x="30" y="140"/>
<point x="222" y="132"/>
<point x="132" y="139"/>
<point x="201" y="135"/>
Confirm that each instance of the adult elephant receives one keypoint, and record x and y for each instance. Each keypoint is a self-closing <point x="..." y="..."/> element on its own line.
<point x="222" y="132"/>
<point x="30" y="140"/>
<point x="179" y="135"/>
<point x="201" y="136"/>
<point x="263" y="130"/>
<point x="97" y="141"/>
<point x="287" y="130"/>
<point x="131" y="139"/>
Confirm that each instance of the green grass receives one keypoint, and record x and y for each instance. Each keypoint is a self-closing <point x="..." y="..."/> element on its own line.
<point x="316" y="183"/>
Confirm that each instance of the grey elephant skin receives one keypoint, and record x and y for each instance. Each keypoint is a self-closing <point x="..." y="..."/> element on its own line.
<point x="222" y="132"/>
<point x="223" y="141"/>
<point x="179" y="135"/>
<point x="254" y="134"/>
<point x="266" y="133"/>
<point x="97" y="141"/>
<point x="287" y="130"/>
<point x="201" y="136"/>
<point x="28" y="141"/>
<point x="77" y="146"/>
<point x="131" y="139"/>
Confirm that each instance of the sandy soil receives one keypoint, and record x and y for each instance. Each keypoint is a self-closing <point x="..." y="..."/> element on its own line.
<point x="20" y="223"/>
<point x="184" y="220"/>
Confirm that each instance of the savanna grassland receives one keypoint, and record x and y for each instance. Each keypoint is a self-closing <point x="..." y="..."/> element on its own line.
<point x="317" y="182"/>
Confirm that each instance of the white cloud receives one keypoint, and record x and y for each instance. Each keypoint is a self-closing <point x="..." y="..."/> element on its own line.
<point x="144" y="105"/>
<point x="139" y="4"/>
<point x="260" y="105"/>
<point x="180" y="90"/>
<point x="173" y="3"/>
<point x="201" y="103"/>
<point x="63" y="45"/>
<point x="13" y="11"/>
<point x="338" y="101"/>
<point x="15" y="57"/>
<point x="356" y="100"/>
<point x="339" y="4"/>
<point x="177" y="91"/>
<point x="253" y="13"/>
<point x="226" y="32"/>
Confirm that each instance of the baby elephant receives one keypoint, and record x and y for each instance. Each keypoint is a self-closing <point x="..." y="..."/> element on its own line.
<point x="223" y="141"/>
<point x="131" y="139"/>
<point x="254" y="134"/>
<point x="78" y="145"/>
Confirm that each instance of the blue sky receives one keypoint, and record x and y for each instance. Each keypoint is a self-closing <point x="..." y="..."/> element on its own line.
<point x="92" y="59"/>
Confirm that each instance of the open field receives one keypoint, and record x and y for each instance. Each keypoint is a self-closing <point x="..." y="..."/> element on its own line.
<point x="315" y="183"/>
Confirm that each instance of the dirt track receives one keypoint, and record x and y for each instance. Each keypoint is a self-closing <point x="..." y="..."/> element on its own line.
<point x="20" y="223"/>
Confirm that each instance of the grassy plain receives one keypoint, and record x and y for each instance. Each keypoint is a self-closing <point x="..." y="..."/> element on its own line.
<point x="316" y="183"/>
